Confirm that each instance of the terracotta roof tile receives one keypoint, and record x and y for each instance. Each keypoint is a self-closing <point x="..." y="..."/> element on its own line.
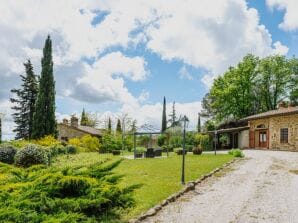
<point x="277" y="112"/>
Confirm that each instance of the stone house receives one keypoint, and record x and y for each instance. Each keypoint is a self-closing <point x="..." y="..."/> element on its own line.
<point x="276" y="129"/>
<point x="70" y="130"/>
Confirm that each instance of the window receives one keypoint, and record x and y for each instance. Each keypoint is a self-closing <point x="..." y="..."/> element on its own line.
<point x="284" y="135"/>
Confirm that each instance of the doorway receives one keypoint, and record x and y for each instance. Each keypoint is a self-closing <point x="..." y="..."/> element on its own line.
<point x="263" y="139"/>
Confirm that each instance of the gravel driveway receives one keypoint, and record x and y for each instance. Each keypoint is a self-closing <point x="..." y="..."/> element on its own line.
<point x="261" y="188"/>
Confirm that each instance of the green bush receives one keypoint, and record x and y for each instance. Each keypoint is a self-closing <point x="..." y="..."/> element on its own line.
<point x="161" y="140"/>
<point x="197" y="151"/>
<point x="44" y="194"/>
<point x="31" y="155"/>
<point x="236" y="153"/>
<point x="56" y="150"/>
<point x="116" y="152"/>
<point x="167" y="148"/>
<point x="90" y="143"/>
<point x="140" y="150"/>
<point x="189" y="148"/>
<point x="70" y="149"/>
<point x="179" y="151"/>
<point x="176" y="141"/>
<point x="110" y="142"/>
<point x="7" y="153"/>
<point x="203" y="141"/>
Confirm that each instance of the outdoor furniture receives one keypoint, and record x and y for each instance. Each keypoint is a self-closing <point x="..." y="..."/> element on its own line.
<point x="150" y="153"/>
<point x="157" y="152"/>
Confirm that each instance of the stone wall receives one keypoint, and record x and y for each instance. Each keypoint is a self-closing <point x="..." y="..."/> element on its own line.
<point x="69" y="132"/>
<point x="274" y="124"/>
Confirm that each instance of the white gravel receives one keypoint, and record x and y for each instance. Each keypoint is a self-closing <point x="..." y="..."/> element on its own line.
<point x="261" y="188"/>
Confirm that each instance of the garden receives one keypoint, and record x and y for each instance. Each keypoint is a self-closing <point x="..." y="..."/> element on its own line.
<point x="49" y="181"/>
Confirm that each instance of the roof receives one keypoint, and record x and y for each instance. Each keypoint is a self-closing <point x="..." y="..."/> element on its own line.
<point x="86" y="129"/>
<point x="277" y="112"/>
<point x="237" y="129"/>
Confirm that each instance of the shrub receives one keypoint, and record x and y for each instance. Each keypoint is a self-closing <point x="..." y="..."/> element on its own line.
<point x="140" y="150"/>
<point x="179" y="151"/>
<point x="176" y="141"/>
<point x="116" y="152"/>
<point x="110" y="143"/>
<point x="7" y="153"/>
<point x="236" y="153"/>
<point x="197" y="151"/>
<point x="90" y="143"/>
<point x="161" y="140"/>
<point x="189" y="148"/>
<point x="73" y="186"/>
<point x="31" y="155"/>
<point x="203" y="141"/>
<point x="47" y="141"/>
<point x="70" y="149"/>
<point x="75" y="142"/>
<point x="56" y="150"/>
<point x="168" y="148"/>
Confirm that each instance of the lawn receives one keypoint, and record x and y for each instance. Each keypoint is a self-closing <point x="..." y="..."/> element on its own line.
<point x="159" y="177"/>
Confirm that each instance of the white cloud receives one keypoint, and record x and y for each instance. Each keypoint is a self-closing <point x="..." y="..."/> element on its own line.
<point x="290" y="19"/>
<point x="184" y="74"/>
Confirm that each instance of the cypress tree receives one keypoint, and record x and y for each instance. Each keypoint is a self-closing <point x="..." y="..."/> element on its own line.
<point x="84" y="118"/>
<point x="44" y="122"/>
<point x="164" y="116"/>
<point x="118" y="127"/>
<point x="25" y="103"/>
<point x="109" y="125"/>
<point x="199" y="123"/>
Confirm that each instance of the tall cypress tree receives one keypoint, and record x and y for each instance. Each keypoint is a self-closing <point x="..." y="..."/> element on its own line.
<point x="25" y="103"/>
<point x="164" y="116"/>
<point x="44" y="122"/>
<point x="199" y="123"/>
<point x="118" y="127"/>
<point x="84" y="118"/>
<point x="109" y="125"/>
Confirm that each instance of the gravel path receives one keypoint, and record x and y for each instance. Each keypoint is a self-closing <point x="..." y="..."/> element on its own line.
<point x="261" y="188"/>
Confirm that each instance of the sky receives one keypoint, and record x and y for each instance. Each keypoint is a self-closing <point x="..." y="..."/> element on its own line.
<point x="115" y="57"/>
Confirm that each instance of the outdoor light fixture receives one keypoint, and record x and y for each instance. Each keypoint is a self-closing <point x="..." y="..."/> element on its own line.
<point x="185" y="122"/>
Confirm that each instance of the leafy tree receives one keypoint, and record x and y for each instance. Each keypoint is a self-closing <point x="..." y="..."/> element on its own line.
<point x="294" y="82"/>
<point x="118" y="126"/>
<point x="133" y="127"/>
<point x="84" y="118"/>
<point x="25" y="103"/>
<point x="164" y="116"/>
<point x="273" y="81"/>
<point x="44" y="122"/>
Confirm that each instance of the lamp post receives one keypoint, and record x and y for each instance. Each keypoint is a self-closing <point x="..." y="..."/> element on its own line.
<point x="215" y="136"/>
<point x="185" y="122"/>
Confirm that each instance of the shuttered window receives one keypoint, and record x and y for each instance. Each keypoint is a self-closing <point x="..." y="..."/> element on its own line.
<point x="284" y="135"/>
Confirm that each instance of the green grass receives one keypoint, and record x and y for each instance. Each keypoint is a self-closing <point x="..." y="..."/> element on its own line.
<point x="159" y="177"/>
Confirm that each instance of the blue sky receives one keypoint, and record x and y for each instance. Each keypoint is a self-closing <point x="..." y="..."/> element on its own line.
<point x="121" y="57"/>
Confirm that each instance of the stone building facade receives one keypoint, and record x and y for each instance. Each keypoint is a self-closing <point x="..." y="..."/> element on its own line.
<point x="71" y="130"/>
<point x="276" y="129"/>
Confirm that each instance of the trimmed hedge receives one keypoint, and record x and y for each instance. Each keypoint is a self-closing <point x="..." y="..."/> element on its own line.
<point x="7" y="154"/>
<point x="31" y="155"/>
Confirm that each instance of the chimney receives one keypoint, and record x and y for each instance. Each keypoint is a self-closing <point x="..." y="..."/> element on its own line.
<point x="65" y="121"/>
<point x="74" y="121"/>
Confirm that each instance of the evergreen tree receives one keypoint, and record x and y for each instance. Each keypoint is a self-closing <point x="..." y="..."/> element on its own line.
<point x="110" y="125"/>
<point x="44" y="122"/>
<point x="84" y="118"/>
<point x="199" y="123"/>
<point x="133" y="127"/>
<point x="173" y="118"/>
<point x="164" y="116"/>
<point x="118" y="127"/>
<point x="25" y="103"/>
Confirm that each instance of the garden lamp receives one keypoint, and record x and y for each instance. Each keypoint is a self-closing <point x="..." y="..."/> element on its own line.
<point x="185" y="122"/>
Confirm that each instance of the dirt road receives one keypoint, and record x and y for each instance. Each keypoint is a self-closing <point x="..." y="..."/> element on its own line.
<point x="261" y="188"/>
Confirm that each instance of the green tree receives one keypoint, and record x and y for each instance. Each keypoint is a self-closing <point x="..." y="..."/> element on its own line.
<point x="274" y="80"/>
<point x="109" y="125"/>
<point x="44" y="122"/>
<point x="199" y="123"/>
<point x="118" y="126"/>
<point x="294" y="82"/>
<point x="25" y="103"/>
<point x="133" y="127"/>
<point x="84" y="118"/>
<point x="164" y="116"/>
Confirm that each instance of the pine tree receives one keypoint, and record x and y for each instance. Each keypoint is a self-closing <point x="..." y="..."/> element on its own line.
<point x="84" y="118"/>
<point x="164" y="116"/>
<point x="110" y="125"/>
<point x="25" y="103"/>
<point x="44" y="122"/>
<point x="118" y="127"/>
<point x="199" y="123"/>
